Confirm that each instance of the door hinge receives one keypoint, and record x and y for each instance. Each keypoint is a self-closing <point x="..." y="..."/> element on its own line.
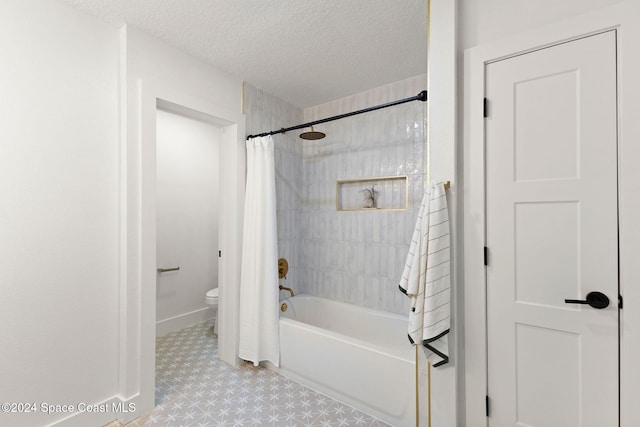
<point x="486" y="255"/>
<point x="619" y="301"/>
<point x="485" y="107"/>
<point x="487" y="405"/>
<point x="219" y="254"/>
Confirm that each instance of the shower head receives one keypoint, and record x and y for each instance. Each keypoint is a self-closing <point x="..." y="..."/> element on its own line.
<point x="312" y="135"/>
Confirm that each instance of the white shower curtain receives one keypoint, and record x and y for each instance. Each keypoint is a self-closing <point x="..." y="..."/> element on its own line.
<point x="259" y="336"/>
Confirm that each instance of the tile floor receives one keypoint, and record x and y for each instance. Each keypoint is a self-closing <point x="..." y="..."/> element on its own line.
<point x="193" y="388"/>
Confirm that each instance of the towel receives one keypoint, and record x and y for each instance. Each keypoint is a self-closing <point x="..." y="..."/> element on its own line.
<point x="426" y="277"/>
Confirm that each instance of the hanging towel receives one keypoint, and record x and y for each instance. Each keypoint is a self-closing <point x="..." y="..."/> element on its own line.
<point x="259" y="315"/>
<point x="426" y="277"/>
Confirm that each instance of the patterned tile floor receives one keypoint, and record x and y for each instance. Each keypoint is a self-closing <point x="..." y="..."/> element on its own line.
<point x="194" y="388"/>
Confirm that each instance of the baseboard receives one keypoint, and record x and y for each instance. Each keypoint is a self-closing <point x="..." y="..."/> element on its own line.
<point x="172" y="324"/>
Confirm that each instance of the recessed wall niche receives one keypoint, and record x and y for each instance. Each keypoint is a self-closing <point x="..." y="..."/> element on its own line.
<point x="388" y="193"/>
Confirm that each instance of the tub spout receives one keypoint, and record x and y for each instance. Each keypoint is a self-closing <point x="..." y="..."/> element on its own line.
<point x="282" y="288"/>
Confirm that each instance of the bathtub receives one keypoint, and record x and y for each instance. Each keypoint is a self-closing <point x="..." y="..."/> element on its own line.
<point x="356" y="355"/>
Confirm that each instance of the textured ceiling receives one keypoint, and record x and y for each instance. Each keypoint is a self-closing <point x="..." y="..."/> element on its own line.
<point x="306" y="52"/>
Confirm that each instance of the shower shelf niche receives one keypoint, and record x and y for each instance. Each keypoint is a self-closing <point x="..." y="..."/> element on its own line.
<point x="391" y="194"/>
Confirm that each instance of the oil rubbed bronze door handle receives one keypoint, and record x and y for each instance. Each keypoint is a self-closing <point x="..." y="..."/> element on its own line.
<point x="594" y="299"/>
<point x="164" y="270"/>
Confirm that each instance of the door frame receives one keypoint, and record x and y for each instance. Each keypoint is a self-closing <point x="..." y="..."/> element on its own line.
<point x="138" y="313"/>
<point x="623" y="17"/>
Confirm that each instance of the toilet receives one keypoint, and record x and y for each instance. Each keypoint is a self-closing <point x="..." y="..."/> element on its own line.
<point x="212" y="301"/>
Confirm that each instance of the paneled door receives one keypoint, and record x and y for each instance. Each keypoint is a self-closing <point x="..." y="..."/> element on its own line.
<point x="552" y="236"/>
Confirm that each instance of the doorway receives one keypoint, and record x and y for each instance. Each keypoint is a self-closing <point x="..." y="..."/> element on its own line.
<point x="552" y="236"/>
<point x="188" y="179"/>
<point x="138" y="328"/>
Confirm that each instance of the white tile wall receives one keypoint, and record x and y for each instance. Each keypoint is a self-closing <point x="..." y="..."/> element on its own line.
<point x="265" y="112"/>
<point x="356" y="257"/>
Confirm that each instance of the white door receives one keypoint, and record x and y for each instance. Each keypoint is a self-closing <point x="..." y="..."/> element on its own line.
<point x="551" y="200"/>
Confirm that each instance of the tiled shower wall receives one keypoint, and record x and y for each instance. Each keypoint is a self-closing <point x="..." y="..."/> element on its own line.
<point x="355" y="257"/>
<point x="265" y="112"/>
<point x="358" y="257"/>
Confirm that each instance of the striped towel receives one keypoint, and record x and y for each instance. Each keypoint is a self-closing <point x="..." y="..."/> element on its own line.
<point x="426" y="277"/>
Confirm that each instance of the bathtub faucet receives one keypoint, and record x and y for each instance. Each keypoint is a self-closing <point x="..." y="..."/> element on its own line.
<point x="282" y="288"/>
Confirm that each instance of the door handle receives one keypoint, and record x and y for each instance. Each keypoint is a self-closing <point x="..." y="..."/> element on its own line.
<point x="594" y="299"/>
<point x="164" y="270"/>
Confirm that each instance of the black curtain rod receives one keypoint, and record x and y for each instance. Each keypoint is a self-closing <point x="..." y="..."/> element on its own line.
<point x="422" y="96"/>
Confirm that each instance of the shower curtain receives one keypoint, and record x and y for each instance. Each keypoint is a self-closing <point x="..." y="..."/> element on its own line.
<point x="259" y="337"/>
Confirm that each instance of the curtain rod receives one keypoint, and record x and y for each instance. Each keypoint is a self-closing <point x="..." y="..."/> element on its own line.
<point x="422" y="96"/>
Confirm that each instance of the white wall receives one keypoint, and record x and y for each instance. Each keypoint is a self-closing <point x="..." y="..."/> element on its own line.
<point x="73" y="308"/>
<point x="188" y="179"/>
<point x="447" y="393"/>
<point x="482" y="21"/>
<point x="59" y="214"/>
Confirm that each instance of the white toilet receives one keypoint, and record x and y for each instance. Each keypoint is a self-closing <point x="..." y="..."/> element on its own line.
<point x="212" y="301"/>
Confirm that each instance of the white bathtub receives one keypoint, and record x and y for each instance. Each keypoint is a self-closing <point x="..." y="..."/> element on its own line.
<point x="356" y="355"/>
